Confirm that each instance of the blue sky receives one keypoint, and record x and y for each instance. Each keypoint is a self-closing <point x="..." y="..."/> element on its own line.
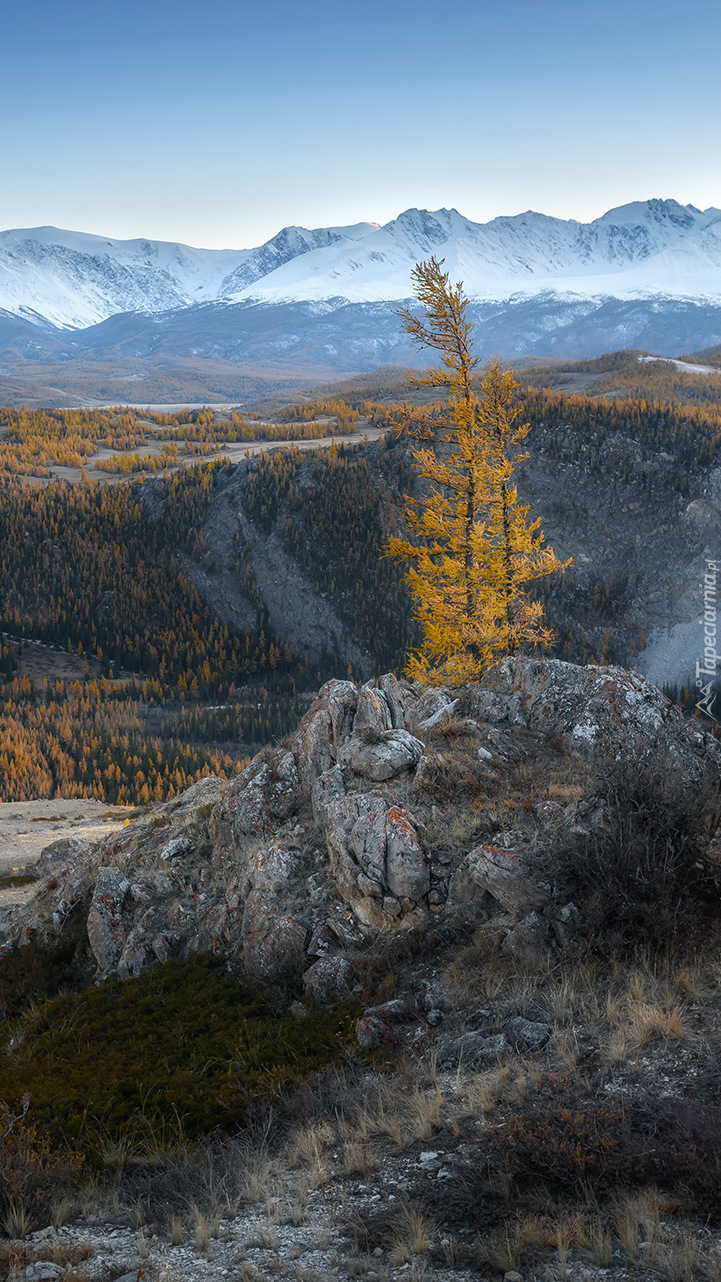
<point x="217" y="123"/>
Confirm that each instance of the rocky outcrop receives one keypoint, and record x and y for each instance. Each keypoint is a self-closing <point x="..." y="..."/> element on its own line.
<point x="591" y="710"/>
<point x="296" y="861"/>
<point x="376" y="857"/>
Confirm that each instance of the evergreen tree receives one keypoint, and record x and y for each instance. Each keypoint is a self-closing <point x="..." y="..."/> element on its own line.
<point x="473" y="551"/>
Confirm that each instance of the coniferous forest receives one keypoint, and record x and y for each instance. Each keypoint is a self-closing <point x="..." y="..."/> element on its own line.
<point x="164" y="690"/>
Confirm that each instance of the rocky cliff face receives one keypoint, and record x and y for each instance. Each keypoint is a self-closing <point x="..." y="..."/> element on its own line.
<point x="389" y="808"/>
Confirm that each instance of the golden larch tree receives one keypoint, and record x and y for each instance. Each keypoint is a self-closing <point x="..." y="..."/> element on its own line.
<point x="472" y="549"/>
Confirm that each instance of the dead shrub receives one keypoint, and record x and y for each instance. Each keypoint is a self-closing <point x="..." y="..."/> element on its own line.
<point x="637" y="864"/>
<point x="559" y="1135"/>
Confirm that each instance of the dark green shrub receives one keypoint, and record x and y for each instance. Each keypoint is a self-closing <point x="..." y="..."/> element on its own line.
<point x="39" y="971"/>
<point x="183" y="1048"/>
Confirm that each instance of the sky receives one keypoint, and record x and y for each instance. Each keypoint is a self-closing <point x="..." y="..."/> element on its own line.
<point x="218" y="123"/>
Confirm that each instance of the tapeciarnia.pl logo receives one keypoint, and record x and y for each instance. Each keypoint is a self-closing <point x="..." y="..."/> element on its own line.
<point x="707" y="670"/>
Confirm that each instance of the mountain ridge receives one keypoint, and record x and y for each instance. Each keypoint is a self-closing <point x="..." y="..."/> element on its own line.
<point x="71" y="280"/>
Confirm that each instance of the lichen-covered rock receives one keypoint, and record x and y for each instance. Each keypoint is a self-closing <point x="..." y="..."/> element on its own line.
<point x="327" y="788"/>
<point x="386" y="754"/>
<point x="400" y="700"/>
<point x="257" y="799"/>
<point x="472" y="1050"/>
<point x="375" y="854"/>
<point x="494" y="873"/>
<point x="58" y="852"/>
<point x="273" y="940"/>
<point x="379" y="1027"/>
<point x="107" y="918"/>
<point x="528" y="943"/>
<point x="592" y="710"/>
<point x="330" y="980"/>
<point x="324" y="728"/>
<point x="372" y="712"/>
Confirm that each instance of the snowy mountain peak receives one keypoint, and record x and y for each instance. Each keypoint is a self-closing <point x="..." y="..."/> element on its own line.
<point x="646" y="248"/>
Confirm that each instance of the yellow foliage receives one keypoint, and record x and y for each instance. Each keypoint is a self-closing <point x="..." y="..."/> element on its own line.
<point x="473" y="551"/>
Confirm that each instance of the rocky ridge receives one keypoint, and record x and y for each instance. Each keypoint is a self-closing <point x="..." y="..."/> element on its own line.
<point x="334" y="839"/>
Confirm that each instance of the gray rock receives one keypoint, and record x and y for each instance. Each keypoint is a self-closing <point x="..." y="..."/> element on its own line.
<point x="373" y="712"/>
<point x="107" y="928"/>
<point x="382" y="758"/>
<point x="326" y="789"/>
<point x="473" y="1050"/>
<point x="494" y="873"/>
<point x="324" y="728"/>
<point x="329" y="980"/>
<point x="528" y="943"/>
<point x="58" y="852"/>
<point x="258" y="799"/>
<point x="374" y="851"/>
<point x="526" y="1034"/>
<point x="399" y="698"/>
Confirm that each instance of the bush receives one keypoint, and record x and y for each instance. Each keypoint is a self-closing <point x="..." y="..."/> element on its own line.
<point x="30" y="1171"/>
<point x="641" y="874"/>
<point x="182" y="1049"/>
<point x="559" y="1135"/>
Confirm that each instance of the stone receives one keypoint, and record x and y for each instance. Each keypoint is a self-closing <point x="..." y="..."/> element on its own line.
<point x="528" y="943"/>
<point x="58" y="852"/>
<point x="378" y="1027"/>
<point x="382" y="757"/>
<point x="327" y="788"/>
<point x="324" y="728"/>
<point x="473" y="1050"/>
<point x="399" y="698"/>
<point x="329" y="980"/>
<point x="374" y="851"/>
<point x="43" y="1271"/>
<point x="272" y="867"/>
<point x="258" y="799"/>
<point x="106" y="918"/>
<point x="494" y="873"/>
<point x="273" y="940"/>
<point x="527" y="1034"/>
<point x="373" y="712"/>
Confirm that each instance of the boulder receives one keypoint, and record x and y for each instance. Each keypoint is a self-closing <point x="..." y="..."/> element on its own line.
<point x="262" y="795"/>
<point x="57" y="853"/>
<point x="527" y="1034"/>
<point x="330" y="980"/>
<point x="492" y="873"/>
<point x="528" y="943"/>
<point x="380" y="755"/>
<point x="372" y="712"/>
<point x="593" y="710"/>
<point x="379" y="1027"/>
<point x="400" y="700"/>
<point x="273" y="940"/>
<point x="472" y="1050"/>
<point x="107" y="918"/>
<point x="375" y="854"/>
<point x="324" y="728"/>
<point x="327" y="788"/>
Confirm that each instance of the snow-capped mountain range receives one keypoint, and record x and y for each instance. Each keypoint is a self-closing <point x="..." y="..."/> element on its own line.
<point x="645" y="250"/>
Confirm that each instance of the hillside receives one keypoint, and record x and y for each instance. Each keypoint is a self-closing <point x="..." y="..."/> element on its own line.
<point x="363" y="1009"/>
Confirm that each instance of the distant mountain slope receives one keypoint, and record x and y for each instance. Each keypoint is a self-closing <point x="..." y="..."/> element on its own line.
<point x="323" y="303"/>
<point x="70" y="279"/>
